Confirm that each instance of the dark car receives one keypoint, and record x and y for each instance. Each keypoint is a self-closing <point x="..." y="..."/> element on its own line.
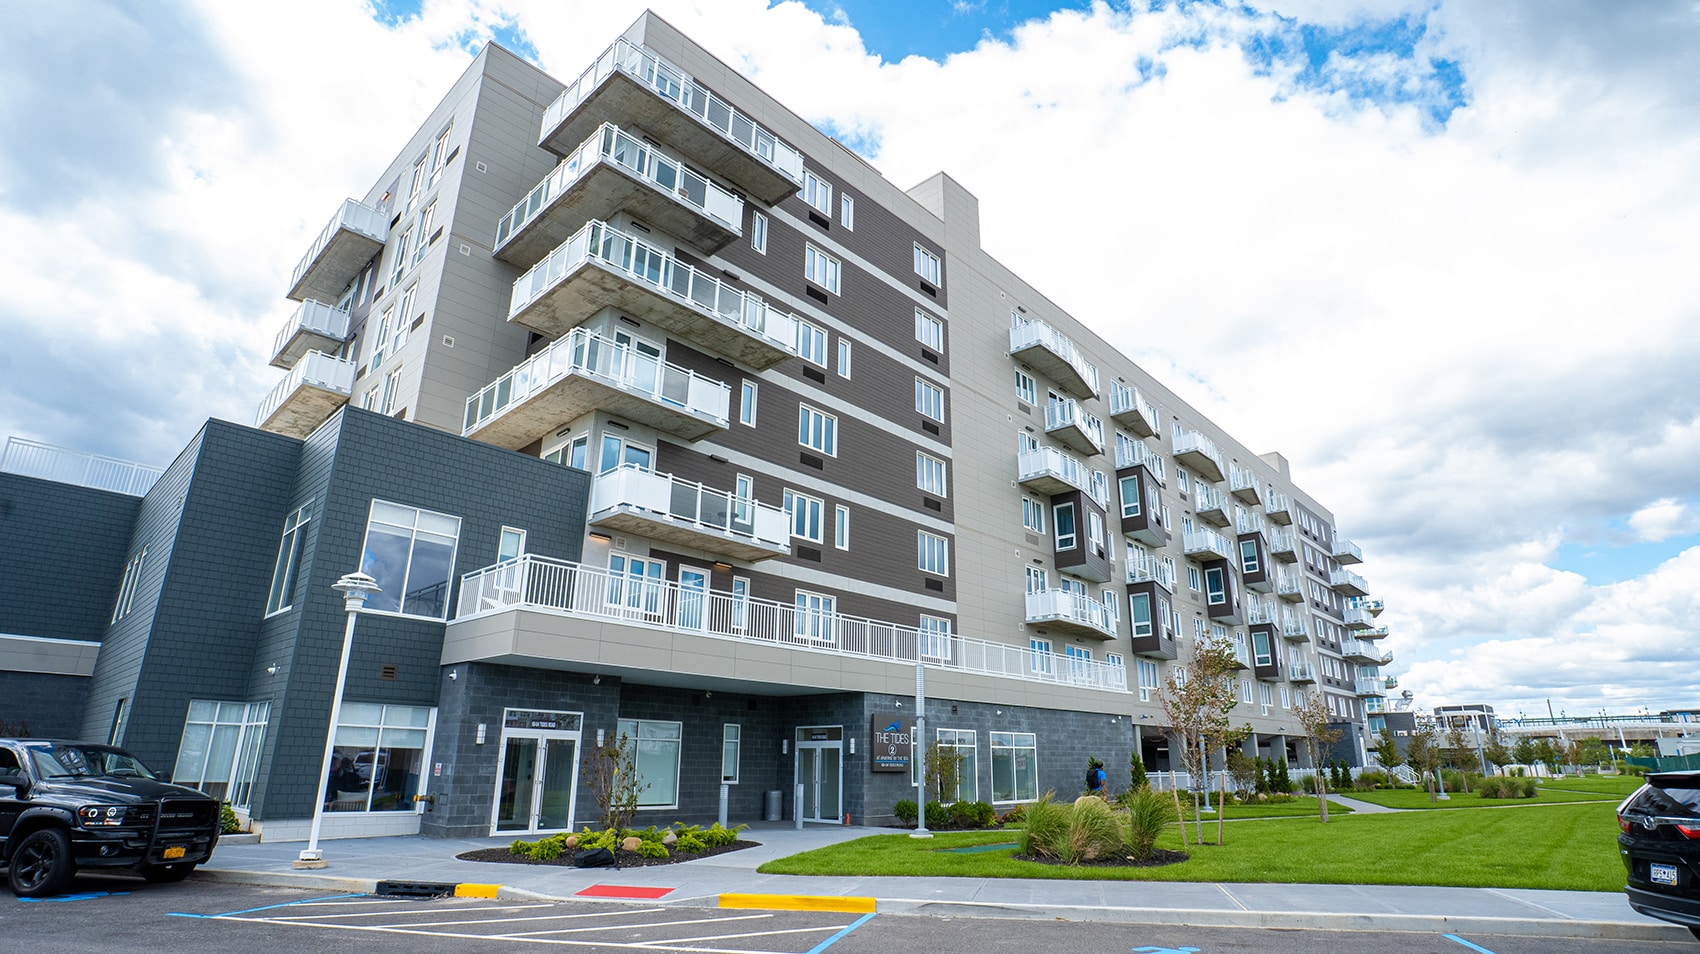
<point x="1660" y="846"/>
<point x="70" y="805"/>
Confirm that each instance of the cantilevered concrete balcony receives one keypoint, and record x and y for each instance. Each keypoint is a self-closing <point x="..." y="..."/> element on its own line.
<point x="601" y="266"/>
<point x="1295" y="628"/>
<point x="631" y="84"/>
<point x="1198" y="452"/>
<point x="632" y="500"/>
<point x="1049" y="471"/>
<point x="1132" y="453"/>
<point x="1052" y="354"/>
<point x="355" y="233"/>
<point x="1371" y="606"/>
<point x="1130" y="409"/>
<point x="1289" y="586"/>
<point x="1074" y="427"/>
<point x="1356" y="617"/>
<point x="1071" y="613"/>
<point x="584" y="372"/>
<point x="310" y="393"/>
<point x="1210" y="504"/>
<point x="1282" y="546"/>
<point x="1392" y="682"/>
<point x="1347" y="583"/>
<point x="1143" y="567"/>
<point x="1278" y="508"/>
<point x="1245" y="485"/>
<point x="1345" y="551"/>
<point x="610" y="172"/>
<point x="315" y="326"/>
<point x="1207" y="545"/>
<point x="1363" y="653"/>
<point x="1300" y="673"/>
<point x="1372" y="687"/>
<point x="1374" y="632"/>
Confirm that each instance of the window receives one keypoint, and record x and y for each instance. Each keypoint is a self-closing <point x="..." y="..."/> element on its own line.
<point x="411" y="553"/>
<point x="1068" y="535"/>
<point x="424" y="233"/>
<point x="1039" y="655"/>
<point x="822" y="269"/>
<point x="1139" y="606"/>
<point x="1194" y="580"/>
<point x="440" y="153"/>
<point x="378" y="762"/>
<point x="1181" y="479"/>
<point x="1032" y="515"/>
<point x="657" y="746"/>
<point x="572" y="453"/>
<point x="402" y="321"/>
<point x="511" y="545"/>
<point x="929" y="400"/>
<point x="843" y="357"/>
<point x="1147" y="679"/>
<point x="127" y="588"/>
<point x="927" y="266"/>
<point x="929" y="330"/>
<point x="618" y="452"/>
<point x="1037" y="582"/>
<point x="220" y="750"/>
<point x="1015" y="767"/>
<point x="758" y="232"/>
<point x="1112" y="609"/>
<point x="962" y="744"/>
<point x="817" y="192"/>
<point x="929" y="474"/>
<point x="416" y="187"/>
<point x="1026" y="443"/>
<point x="743" y="495"/>
<point x="398" y="265"/>
<point x="805" y="513"/>
<point x="1248" y="556"/>
<point x="740" y="603"/>
<point x="1215" y="586"/>
<point x="932" y="553"/>
<point x="841" y="527"/>
<point x="847" y="210"/>
<point x="747" y="404"/>
<point x="817" y="430"/>
<point x="282" y="593"/>
<point x="1095" y="530"/>
<point x="1128" y="487"/>
<point x="1260" y="648"/>
<point x="1026" y="388"/>
<point x="381" y="337"/>
<point x="814" y="614"/>
<point x="731" y="750"/>
<point x="935" y="637"/>
<point x="392" y="387"/>
<point x="811" y="343"/>
<point x="1079" y="660"/>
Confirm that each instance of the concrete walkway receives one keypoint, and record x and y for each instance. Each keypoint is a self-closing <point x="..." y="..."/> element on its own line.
<point x="358" y="864"/>
<point x="1362" y="808"/>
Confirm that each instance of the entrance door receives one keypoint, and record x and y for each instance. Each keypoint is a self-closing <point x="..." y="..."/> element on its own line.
<point x="537" y="780"/>
<point x="820" y="770"/>
<point x="693" y="597"/>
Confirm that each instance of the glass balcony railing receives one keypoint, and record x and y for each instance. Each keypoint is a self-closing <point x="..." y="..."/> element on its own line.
<point x="1131" y="453"/>
<point x="49" y="462"/>
<point x="703" y="510"/>
<point x="1200" y="453"/>
<point x="1277" y="506"/>
<point x="1345" y="581"/>
<point x="351" y="219"/>
<point x="611" y="145"/>
<point x="1047" y="465"/>
<point x="1068" y="415"/>
<point x="1143" y="567"/>
<point x="1209" y="502"/>
<point x="313" y="323"/>
<point x="1244" y="484"/>
<point x="674" y="85"/>
<point x="1131" y="410"/>
<point x="1345" y="551"/>
<point x="1206" y="542"/>
<point x="1051" y="606"/>
<point x="1071" y="369"/>
<point x="316" y="386"/>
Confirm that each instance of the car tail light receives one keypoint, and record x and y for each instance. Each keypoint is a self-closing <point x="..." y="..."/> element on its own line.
<point x="1623" y="824"/>
<point x="1689" y="831"/>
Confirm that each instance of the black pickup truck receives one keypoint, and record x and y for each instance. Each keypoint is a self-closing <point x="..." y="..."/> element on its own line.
<point x="70" y="805"/>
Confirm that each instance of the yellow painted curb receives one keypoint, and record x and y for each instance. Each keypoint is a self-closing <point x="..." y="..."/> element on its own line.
<point x="477" y="890"/>
<point x="798" y="902"/>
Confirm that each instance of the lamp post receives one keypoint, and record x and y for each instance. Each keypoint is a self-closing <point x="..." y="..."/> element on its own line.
<point x="921" y="751"/>
<point x="355" y="588"/>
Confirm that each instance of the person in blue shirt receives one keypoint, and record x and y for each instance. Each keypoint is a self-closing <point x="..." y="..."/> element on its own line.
<point x="1095" y="777"/>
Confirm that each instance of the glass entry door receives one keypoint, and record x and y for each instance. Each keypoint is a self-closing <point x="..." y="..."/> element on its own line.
<point x="537" y="780"/>
<point x="820" y="770"/>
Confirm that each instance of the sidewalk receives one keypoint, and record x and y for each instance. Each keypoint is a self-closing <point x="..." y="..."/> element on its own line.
<point x="358" y="864"/>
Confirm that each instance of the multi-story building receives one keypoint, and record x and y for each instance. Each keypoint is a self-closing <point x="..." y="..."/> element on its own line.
<point x="832" y="446"/>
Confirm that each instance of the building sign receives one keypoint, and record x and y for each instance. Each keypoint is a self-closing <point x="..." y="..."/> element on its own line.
<point x="890" y="742"/>
<point x="535" y="719"/>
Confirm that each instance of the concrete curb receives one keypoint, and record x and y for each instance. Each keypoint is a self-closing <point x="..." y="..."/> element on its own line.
<point x="274" y="879"/>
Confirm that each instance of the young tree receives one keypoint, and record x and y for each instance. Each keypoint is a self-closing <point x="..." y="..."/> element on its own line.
<point x="1246" y="771"/>
<point x="615" y="785"/>
<point x="944" y="771"/>
<point x="1495" y="749"/>
<point x="1523" y="751"/>
<point x="1387" y="752"/>
<point x="1546" y="753"/>
<point x="1424" y="756"/>
<point x="1314" y="717"/>
<point x="1136" y="779"/>
<point x="1196" y="707"/>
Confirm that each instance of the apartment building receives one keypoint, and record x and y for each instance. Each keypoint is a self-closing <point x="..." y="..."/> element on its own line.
<point x="827" y="447"/>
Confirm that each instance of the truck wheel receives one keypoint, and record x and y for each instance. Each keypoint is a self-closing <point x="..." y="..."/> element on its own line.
<point x="42" y="865"/>
<point x="167" y="874"/>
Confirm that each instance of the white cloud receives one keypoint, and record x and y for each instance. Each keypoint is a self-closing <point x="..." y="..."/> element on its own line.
<point x="1663" y="519"/>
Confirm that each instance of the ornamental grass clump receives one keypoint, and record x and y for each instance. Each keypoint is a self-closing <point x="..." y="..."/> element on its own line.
<point x="1090" y="831"/>
<point x="1148" y="813"/>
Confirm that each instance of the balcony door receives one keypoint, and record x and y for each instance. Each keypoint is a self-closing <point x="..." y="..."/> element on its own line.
<point x="693" y="597"/>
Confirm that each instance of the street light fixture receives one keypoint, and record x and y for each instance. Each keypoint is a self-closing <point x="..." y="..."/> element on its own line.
<point x="355" y="588"/>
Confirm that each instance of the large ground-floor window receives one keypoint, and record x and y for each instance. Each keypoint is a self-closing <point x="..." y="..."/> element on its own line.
<point x="658" y="749"/>
<point x="963" y="744"/>
<point x="220" y="750"/>
<point x="379" y="758"/>
<point x="1015" y="767"/>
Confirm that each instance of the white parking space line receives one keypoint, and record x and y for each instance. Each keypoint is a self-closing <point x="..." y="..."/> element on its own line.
<point x="640" y="925"/>
<point x="540" y="917"/>
<point x="379" y="914"/>
<point x="728" y="937"/>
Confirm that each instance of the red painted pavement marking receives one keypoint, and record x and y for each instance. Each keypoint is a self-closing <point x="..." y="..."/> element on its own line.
<point x="622" y="891"/>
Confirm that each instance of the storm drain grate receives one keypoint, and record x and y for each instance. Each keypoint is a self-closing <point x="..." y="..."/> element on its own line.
<point x="414" y="889"/>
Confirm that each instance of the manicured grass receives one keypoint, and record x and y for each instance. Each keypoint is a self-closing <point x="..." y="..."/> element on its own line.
<point x="1615" y="786"/>
<point x="1418" y="798"/>
<point x="1563" y="847"/>
<point x="1297" y="807"/>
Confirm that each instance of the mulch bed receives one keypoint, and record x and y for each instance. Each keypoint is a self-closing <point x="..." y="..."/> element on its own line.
<point x="622" y="859"/>
<point x="1159" y="858"/>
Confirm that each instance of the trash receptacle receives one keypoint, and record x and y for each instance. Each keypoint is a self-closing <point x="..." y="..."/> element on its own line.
<point x="775" y="805"/>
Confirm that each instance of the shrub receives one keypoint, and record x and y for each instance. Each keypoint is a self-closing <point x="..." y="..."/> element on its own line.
<point x="1148" y="813"/>
<point x="1047" y="828"/>
<point x="1136" y="779"/>
<point x="972" y="815"/>
<point x="938" y="816"/>
<point x="652" y="849"/>
<point x="718" y="837"/>
<point x="1094" y="831"/>
<point x="1632" y="769"/>
<point x="1282" y="782"/>
<point x="228" y="823"/>
<point x="691" y="843"/>
<point x="905" y="811"/>
<point x="1015" y="816"/>
<point x="1371" y="778"/>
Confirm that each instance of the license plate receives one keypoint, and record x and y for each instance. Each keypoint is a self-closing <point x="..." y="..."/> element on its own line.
<point x="1662" y="874"/>
<point x="172" y="854"/>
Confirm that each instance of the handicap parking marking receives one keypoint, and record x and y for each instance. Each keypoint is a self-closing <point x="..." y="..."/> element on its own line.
<point x="1165" y="950"/>
<point x="83" y="896"/>
<point x="1474" y="947"/>
<point x="629" y="892"/>
<point x="335" y="898"/>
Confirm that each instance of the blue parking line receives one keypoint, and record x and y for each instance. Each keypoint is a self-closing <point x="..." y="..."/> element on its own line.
<point x="1474" y="947"/>
<point x="86" y="896"/>
<point x="818" y="948"/>
<point x="269" y="907"/>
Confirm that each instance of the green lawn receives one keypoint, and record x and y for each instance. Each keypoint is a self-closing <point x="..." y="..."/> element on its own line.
<point x="1418" y="798"/>
<point x="1616" y="786"/>
<point x="1565" y="847"/>
<point x="1296" y="807"/>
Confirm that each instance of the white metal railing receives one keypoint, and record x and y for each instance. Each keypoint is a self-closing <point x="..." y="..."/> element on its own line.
<point x="674" y="85"/>
<point x="1374" y="632"/>
<point x="315" y="369"/>
<point x="1144" y="567"/>
<point x="1287" y="582"/>
<point x="1371" y="687"/>
<point x="1243" y="478"/>
<point x="1131" y="452"/>
<point x="1203" y="540"/>
<point x="584" y="353"/>
<point x="573" y="589"/>
<point x="1294" y="626"/>
<point x="1357" y="616"/>
<point x="1125" y="400"/>
<point x="1262" y="611"/>
<point x="50" y="462"/>
<point x="1194" y="442"/>
<point x="610" y="144"/>
<point x="353" y="216"/>
<point x="1208" y="497"/>
<point x="717" y="511"/>
<point x="1344" y="548"/>
<point x="648" y="265"/>
<point x="1074" y="607"/>
<point x="316" y="317"/>
<point x="1068" y="413"/>
<point x="1280" y="541"/>
<point x="1338" y="578"/>
<point x="1065" y="467"/>
<point x="1300" y="672"/>
<point x="1029" y="332"/>
<point x="1368" y="604"/>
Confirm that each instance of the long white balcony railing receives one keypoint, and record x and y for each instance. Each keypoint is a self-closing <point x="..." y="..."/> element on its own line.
<point x="1263" y="611"/>
<point x="1078" y="608"/>
<point x="1248" y="522"/>
<point x="1356" y="617"/>
<point x="1206" y="541"/>
<point x="1347" y="580"/>
<point x="1300" y="672"/>
<point x="583" y="352"/>
<point x="1371" y="687"/>
<point x="1143" y="567"/>
<point x="648" y="265"/>
<point x="573" y="589"/>
<point x="1032" y="331"/>
<point x="674" y="85"/>
<point x="1207" y="497"/>
<point x="313" y="317"/>
<point x="1280" y="541"/>
<point x="1130" y="453"/>
<point x="1203" y="449"/>
<point x="315" y="369"/>
<point x="1129" y="406"/>
<point x="710" y="510"/>
<point x="49" y="462"/>
<point x="1288" y="583"/>
<point x="1048" y="461"/>
<point x="1068" y="413"/>
<point x="353" y="216"/>
<point x="1372" y="606"/>
<point x="1278" y="506"/>
<point x="1295" y="627"/>
<point x="611" y="144"/>
<point x="1345" y="551"/>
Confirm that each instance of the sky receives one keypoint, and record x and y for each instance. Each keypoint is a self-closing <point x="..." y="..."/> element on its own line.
<point x="1439" y="254"/>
